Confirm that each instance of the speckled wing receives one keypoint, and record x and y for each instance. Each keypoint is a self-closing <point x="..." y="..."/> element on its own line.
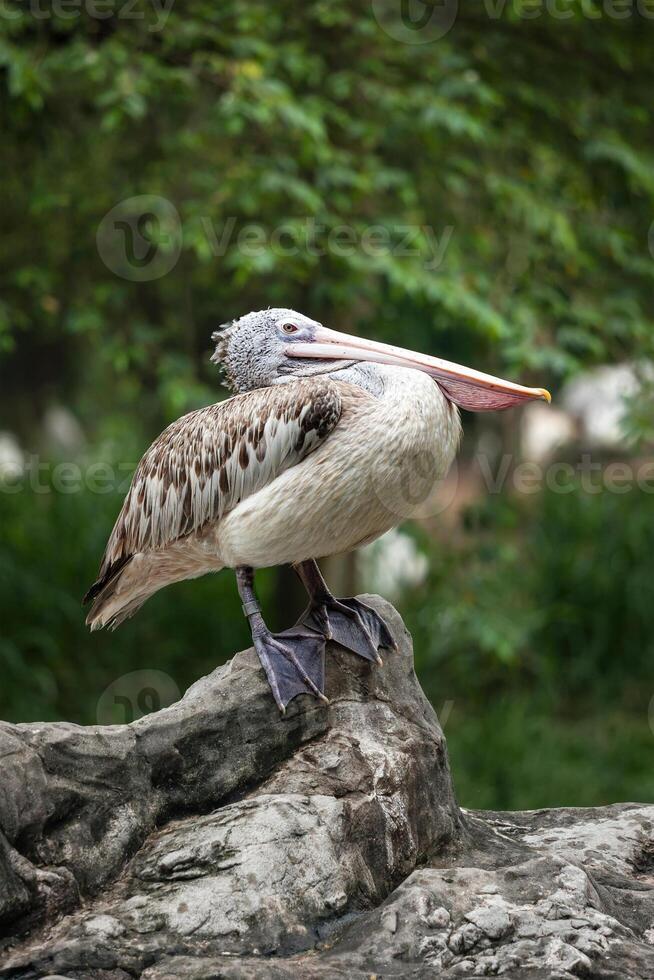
<point x="205" y="463"/>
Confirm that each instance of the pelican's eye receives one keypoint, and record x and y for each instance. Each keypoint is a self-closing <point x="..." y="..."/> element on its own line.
<point x="290" y="328"/>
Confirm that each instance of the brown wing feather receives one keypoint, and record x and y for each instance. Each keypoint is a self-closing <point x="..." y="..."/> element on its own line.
<point x="203" y="464"/>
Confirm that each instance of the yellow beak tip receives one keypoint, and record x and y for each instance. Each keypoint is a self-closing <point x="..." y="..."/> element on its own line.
<point x="546" y="396"/>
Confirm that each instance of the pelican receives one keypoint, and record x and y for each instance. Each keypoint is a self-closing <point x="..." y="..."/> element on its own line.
<point x="309" y="458"/>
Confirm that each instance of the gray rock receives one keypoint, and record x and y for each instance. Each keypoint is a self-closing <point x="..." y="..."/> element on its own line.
<point x="216" y="839"/>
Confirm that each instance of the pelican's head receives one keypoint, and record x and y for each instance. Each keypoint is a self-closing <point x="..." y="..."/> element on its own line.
<point x="253" y="349"/>
<point x="269" y="346"/>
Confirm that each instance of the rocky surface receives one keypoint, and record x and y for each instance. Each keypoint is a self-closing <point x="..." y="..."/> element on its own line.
<point x="214" y="839"/>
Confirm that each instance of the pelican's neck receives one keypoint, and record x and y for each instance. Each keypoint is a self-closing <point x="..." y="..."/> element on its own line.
<point x="364" y="374"/>
<point x="401" y="386"/>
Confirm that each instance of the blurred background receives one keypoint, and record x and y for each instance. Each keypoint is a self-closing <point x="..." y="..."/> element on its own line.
<point x="474" y="180"/>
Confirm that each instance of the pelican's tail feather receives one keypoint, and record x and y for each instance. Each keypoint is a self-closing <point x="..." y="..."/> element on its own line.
<point x="127" y="584"/>
<point x="113" y="604"/>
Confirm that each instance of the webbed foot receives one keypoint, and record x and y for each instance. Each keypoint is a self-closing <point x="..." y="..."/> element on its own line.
<point x="294" y="662"/>
<point x="350" y="623"/>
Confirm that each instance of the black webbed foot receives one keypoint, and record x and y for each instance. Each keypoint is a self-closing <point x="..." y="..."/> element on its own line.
<point x="294" y="662"/>
<point x="350" y="623"/>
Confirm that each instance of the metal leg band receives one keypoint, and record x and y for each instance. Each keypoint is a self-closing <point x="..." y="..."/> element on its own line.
<point x="251" y="607"/>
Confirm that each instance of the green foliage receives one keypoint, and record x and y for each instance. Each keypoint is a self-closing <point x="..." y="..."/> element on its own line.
<point x="528" y="138"/>
<point x="556" y="594"/>
<point x="534" y="639"/>
<point x="521" y="752"/>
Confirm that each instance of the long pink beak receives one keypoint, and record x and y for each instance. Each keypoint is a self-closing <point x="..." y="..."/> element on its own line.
<point x="466" y="387"/>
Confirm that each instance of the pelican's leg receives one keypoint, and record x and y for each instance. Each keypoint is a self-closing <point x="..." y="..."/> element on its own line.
<point x="294" y="661"/>
<point x="350" y="622"/>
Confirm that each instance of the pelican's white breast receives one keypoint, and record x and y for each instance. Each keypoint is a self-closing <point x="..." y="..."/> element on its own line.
<point x="377" y="466"/>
